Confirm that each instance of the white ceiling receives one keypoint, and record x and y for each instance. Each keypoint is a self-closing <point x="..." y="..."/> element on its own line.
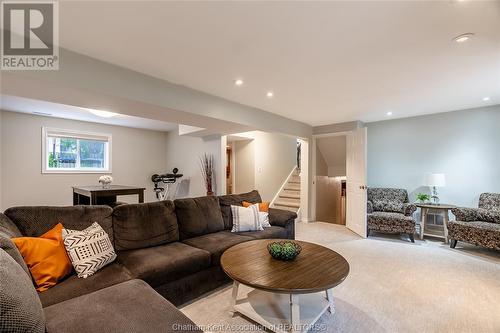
<point x="43" y="108"/>
<point x="333" y="149"/>
<point x="326" y="62"/>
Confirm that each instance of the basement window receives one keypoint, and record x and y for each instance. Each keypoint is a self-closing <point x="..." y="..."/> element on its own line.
<point x="67" y="151"/>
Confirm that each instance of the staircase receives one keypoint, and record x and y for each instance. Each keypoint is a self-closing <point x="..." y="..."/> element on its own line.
<point x="289" y="196"/>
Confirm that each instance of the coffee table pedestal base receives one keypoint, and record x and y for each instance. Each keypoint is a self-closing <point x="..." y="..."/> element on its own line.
<point x="282" y="313"/>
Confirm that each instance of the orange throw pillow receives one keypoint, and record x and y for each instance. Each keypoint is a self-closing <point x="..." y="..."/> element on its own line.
<point x="263" y="206"/>
<point x="46" y="257"/>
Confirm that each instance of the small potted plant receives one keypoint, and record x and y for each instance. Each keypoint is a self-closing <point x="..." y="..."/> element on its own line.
<point x="423" y="198"/>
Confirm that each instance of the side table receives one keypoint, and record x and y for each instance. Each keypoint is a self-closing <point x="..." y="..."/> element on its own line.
<point x="443" y="209"/>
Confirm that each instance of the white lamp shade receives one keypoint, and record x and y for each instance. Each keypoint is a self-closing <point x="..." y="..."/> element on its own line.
<point x="435" y="179"/>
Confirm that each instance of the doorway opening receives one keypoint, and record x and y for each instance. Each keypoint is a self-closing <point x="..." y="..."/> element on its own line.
<point x="339" y="178"/>
<point x="331" y="179"/>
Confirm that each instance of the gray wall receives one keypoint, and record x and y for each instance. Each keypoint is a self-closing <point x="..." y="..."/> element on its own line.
<point x="244" y="166"/>
<point x="136" y="155"/>
<point x="184" y="152"/>
<point x="465" y="145"/>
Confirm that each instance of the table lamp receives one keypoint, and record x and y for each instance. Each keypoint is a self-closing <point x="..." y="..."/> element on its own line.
<point x="435" y="180"/>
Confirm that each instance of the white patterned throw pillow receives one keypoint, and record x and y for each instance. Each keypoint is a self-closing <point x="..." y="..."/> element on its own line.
<point x="246" y="219"/>
<point x="89" y="250"/>
<point x="263" y="217"/>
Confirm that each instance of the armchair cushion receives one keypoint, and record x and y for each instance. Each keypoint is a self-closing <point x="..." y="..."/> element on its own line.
<point x="388" y="199"/>
<point x="391" y="222"/>
<point x="476" y="232"/>
<point x="476" y="214"/>
<point x="387" y="206"/>
<point x="489" y="201"/>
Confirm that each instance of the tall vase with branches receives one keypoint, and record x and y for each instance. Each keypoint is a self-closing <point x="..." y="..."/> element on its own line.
<point x="208" y="172"/>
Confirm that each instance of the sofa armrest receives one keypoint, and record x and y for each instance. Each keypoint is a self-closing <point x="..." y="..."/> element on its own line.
<point x="8" y="228"/>
<point x="409" y="209"/>
<point x="285" y="219"/>
<point x="369" y="207"/>
<point x="476" y="214"/>
<point x="281" y="217"/>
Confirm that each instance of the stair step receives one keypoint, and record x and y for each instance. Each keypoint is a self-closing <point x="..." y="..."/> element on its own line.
<point x="288" y="203"/>
<point x="292" y="209"/>
<point x="293" y="195"/>
<point x="294" y="182"/>
<point x="292" y="187"/>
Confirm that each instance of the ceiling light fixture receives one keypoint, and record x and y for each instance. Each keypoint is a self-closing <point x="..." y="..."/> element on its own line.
<point x="486" y="99"/>
<point x="389" y="113"/>
<point x="463" y="37"/>
<point x="103" y="114"/>
<point x="238" y="82"/>
<point x="270" y="94"/>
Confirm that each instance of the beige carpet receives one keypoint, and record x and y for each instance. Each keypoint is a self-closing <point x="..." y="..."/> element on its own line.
<point x="393" y="286"/>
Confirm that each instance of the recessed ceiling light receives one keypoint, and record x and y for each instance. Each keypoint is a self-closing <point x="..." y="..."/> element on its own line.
<point x="486" y="99"/>
<point x="238" y="82"/>
<point x="270" y="94"/>
<point x="389" y="113"/>
<point x="463" y="37"/>
<point x="104" y="114"/>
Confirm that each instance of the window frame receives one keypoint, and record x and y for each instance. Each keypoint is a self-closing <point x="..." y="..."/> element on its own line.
<point x="78" y="135"/>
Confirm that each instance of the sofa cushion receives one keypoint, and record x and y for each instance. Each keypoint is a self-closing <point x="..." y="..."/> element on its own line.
<point x="198" y="216"/>
<point x="216" y="243"/>
<point x="142" y="225"/>
<point x="225" y="202"/>
<point x="73" y="286"/>
<point x="8" y="228"/>
<point x="34" y="221"/>
<point x="20" y="308"/>
<point x="164" y="263"/>
<point x="269" y="232"/>
<point x="8" y="246"/>
<point x="132" y="307"/>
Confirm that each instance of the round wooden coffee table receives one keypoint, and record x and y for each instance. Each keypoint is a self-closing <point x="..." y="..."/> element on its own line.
<point x="274" y="301"/>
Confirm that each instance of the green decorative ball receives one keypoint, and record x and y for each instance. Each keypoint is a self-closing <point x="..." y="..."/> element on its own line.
<point x="284" y="250"/>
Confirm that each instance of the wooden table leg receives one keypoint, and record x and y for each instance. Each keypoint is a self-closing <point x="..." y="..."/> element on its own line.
<point x="234" y="298"/>
<point x="445" y="225"/>
<point x="295" y="313"/>
<point x="423" y="219"/>
<point x="329" y="297"/>
<point x="141" y="196"/>
<point x="93" y="199"/>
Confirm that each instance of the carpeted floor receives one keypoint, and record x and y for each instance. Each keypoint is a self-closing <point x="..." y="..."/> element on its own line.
<point x="393" y="286"/>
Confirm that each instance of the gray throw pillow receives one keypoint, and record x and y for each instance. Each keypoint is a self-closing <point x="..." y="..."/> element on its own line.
<point x="20" y="307"/>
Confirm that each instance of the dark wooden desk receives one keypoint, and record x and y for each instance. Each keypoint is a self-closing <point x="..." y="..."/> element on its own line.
<point x="97" y="195"/>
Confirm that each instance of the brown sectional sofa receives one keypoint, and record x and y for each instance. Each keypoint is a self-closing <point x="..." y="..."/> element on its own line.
<point x="173" y="247"/>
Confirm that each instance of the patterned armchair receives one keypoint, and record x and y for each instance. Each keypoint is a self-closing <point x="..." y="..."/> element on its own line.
<point x="478" y="226"/>
<point x="389" y="211"/>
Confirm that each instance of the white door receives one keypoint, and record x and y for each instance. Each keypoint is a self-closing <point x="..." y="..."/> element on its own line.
<point x="356" y="181"/>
